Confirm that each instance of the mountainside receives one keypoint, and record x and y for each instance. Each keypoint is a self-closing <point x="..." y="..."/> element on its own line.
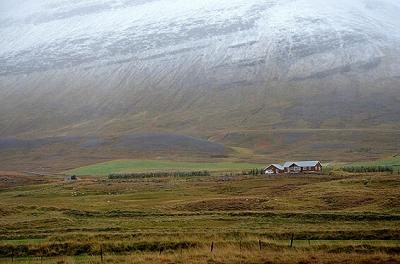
<point x="115" y="67"/>
<point x="99" y="65"/>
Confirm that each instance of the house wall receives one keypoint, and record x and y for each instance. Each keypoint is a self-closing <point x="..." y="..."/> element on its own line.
<point x="293" y="169"/>
<point x="274" y="169"/>
<point x="317" y="167"/>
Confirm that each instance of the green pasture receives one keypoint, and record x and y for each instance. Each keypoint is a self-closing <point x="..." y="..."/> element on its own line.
<point x="390" y="161"/>
<point x="129" y="166"/>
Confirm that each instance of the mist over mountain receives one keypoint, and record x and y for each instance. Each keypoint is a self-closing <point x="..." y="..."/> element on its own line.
<point x="114" y="67"/>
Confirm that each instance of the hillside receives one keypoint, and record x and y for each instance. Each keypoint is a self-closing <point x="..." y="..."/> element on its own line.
<point x="246" y="74"/>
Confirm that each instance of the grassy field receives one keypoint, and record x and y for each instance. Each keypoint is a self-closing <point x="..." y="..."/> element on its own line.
<point x="391" y="161"/>
<point x="349" y="218"/>
<point x="127" y="166"/>
<point x="137" y="166"/>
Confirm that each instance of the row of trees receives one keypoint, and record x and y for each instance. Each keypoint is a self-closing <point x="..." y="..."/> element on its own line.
<point x="158" y="174"/>
<point x="360" y="169"/>
<point x="253" y="172"/>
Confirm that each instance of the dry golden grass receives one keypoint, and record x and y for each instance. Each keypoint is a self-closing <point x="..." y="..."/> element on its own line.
<point x="229" y="254"/>
<point x="352" y="218"/>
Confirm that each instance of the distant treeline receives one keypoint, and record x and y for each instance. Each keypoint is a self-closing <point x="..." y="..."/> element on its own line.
<point x="158" y="174"/>
<point x="368" y="169"/>
<point x="253" y="172"/>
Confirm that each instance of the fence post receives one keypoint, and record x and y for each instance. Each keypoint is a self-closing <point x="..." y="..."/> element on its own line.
<point x="212" y="246"/>
<point x="259" y="244"/>
<point x="101" y="252"/>
<point x="41" y="254"/>
<point x="240" y="245"/>
<point x="291" y="240"/>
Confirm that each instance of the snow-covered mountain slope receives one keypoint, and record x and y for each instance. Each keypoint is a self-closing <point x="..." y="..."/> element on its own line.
<point x="110" y="66"/>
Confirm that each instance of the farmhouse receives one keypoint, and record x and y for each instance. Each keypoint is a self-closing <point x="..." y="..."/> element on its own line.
<point x="274" y="169"/>
<point x="294" y="167"/>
